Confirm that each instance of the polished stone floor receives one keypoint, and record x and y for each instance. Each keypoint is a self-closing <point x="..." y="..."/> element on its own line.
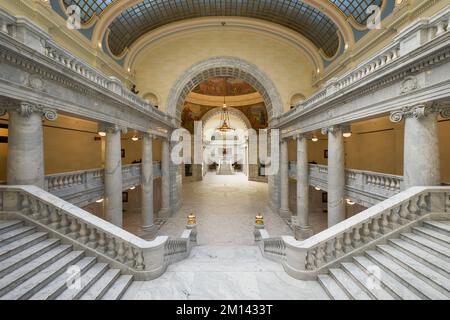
<point x="226" y="272"/>
<point x="225" y="207"/>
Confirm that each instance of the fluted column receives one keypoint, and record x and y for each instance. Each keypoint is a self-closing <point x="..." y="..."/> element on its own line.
<point x="165" y="175"/>
<point x="303" y="229"/>
<point x="421" y="164"/>
<point x="336" y="175"/>
<point x="284" y="180"/>
<point x="25" y="164"/>
<point x="147" y="184"/>
<point x="113" y="176"/>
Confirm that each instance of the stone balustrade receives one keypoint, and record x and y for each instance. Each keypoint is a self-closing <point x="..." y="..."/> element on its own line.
<point x="273" y="248"/>
<point x="145" y="260"/>
<point x="365" y="187"/>
<point x="409" y="39"/>
<point x="306" y="259"/>
<point x="86" y="186"/>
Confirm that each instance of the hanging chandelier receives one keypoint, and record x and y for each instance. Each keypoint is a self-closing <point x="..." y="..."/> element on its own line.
<point x="225" y="117"/>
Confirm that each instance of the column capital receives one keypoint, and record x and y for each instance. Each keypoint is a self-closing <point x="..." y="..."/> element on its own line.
<point x="301" y="136"/>
<point x="420" y="111"/>
<point x="111" y="128"/>
<point x="25" y="109"/>
<point x="335" y="129"/>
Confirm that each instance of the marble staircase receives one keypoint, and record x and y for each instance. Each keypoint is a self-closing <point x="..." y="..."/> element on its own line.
<point x="36" y="266"/>
<point x="413" y="266"/>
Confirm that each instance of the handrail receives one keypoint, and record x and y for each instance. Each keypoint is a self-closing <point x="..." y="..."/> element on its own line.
<point x="143" y="259"/>
<point x="305" y="259"/>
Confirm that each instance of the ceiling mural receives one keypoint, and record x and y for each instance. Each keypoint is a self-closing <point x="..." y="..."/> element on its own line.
<point x="256" y="114"/>
<point x="224" y="86"/>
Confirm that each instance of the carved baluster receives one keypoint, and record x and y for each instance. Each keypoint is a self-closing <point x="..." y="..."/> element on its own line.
<point x="54" y="218"/>
<point x="375" y="228"/>
<point x="393" y="185"/>
<point x="366" y="232"/>
<point x="73" y="229"/>
<point x="130" y="261"/>
<point x="111" y="248"/>
<point x="423" y="203"/>
<point x="329" y="251"/>
<point x="25" y="204"/>
<point x="35" y="208"/>
<point x="101" y="242"/>
<point x="403" y="213"/>
<point x="338" y="247"/>
<point x="121" y="252"/>
<point x="64" y="224"/>
<point x="140" y="260"/>
<point x="394" y="218"/>
<point x="356" y="241"/>
<point x="320" y="254"/>
<point x="384" y="223"/>
<point x="44" y="214"/>
<point x="310" y="260"/>
<point x="83" y="233"/>
<point x="92" y="240"/>
<point x="413" y="209"/>
<point x="347" y="242"/>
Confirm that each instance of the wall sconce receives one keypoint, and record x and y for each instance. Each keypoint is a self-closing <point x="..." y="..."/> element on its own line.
<point x="102" y="133"/>
<point x="350" y="202"/>
<point x="315" y="139"/>
<point x="347" y="134"/>
<point x="135" y="138"/>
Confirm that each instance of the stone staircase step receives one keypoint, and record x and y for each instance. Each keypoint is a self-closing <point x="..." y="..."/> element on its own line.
<point x="14" y="234"/>
<point x="27" y="255"/>
<point x="20" y="245"/>
<point x="389" y="283"/>
<point x="8" y="225"/>
<point x="20" y="275"/>
<point x="439" y="226"/>
<point x="436" y="280"/>
<point x="432" y="235"/>
<point x="59" y="284"/>
<point x="432" y="261"/>
<point x="348" y="285"/>
<point x="428" y="245"/>
<point x="331" y="287"/>
<point x="98" y="289"/>
<point x="35" y="283"/>
<point x="87" y="280"/>
<point x="419" y="286"/>
<point x="364" y="280"/>
<point x="119" y="288"/>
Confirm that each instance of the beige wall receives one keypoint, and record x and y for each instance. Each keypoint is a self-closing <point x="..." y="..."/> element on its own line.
<point x="159" y="66"/>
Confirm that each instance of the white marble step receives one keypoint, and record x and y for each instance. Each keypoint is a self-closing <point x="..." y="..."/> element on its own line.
<point x="87" y="280"/>
<point x="432" y="261"/>
<point x="22" y="244"/>
<point x="365" y="281"/>
<point x="433" y="278"/>
<point x="331" y="287"/>
<point x="432" y="235"/>
<point x="428" y="245"/>
<point x="389" y="283"/>
<point x="98" y="289"/>
<point x="35" y="283"/>
<point x="119" y="288"/>
<point x="419" y="286"/>
<point x="14" y="234"/>
<point x="27" y="255"/>
<point x="28" y="270"/>
<point x="7" y="225"/>
<point x="439" y="226"/>
<point x="348" y="285"/>
<point x="58" y="285"/>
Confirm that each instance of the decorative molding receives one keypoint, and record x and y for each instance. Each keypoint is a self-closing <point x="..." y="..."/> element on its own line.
<point x="420" y="111"/>
<point x="409" y="84"/>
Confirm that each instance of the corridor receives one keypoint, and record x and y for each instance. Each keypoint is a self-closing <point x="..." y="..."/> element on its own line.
<point x="225" y="207"/>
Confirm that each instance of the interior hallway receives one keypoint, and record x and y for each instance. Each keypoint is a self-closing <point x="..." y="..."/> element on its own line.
<point x="225" y="207"/>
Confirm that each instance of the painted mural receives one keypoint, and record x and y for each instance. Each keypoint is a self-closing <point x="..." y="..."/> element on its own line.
<point x="224" y="86"/>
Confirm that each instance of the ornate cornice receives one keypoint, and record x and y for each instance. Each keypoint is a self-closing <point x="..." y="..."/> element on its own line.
<point x="420" y="111"/>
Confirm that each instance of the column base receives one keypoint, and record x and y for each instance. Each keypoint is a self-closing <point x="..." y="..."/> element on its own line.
<point x="285" y="213"/>
<point x="303" y="233"/>
<point x="148" y="231"/>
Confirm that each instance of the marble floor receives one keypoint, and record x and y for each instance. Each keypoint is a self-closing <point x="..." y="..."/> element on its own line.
<point x="225" y="272"/>
<point x="225" y="207"/>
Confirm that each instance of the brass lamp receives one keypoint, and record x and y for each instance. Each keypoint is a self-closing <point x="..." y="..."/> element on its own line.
<point x="191" y="219"/>
<point x="259" y="219"/>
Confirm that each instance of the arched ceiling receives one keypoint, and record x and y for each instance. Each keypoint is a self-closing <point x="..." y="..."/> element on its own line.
<point x="147" y="15"/>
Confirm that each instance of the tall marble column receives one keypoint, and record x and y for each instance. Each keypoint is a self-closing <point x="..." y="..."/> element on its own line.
<point x="284" y="180"/>
<point x="113" y="176"/>
<point x="303" y="229"/>
<point x="336" y="175"/>
<point x="25" y="163"/>
<point x="147" y="184"/>
<point x="421" y="164"/>
<point x="165" y="175"/>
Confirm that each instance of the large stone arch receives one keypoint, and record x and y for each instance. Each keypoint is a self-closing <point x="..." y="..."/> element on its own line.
<point x="220" y="67"/>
